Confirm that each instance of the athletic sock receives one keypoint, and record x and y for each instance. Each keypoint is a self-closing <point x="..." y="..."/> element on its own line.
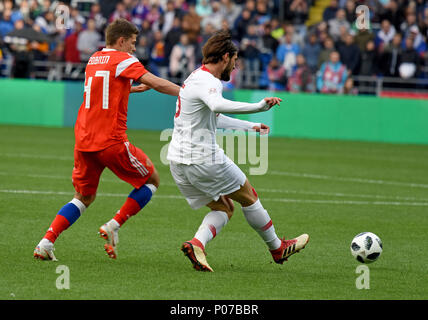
<point x="65" y="218"/>
<point x="212" y="224"/>
<point x="259" y="219"/>
<point x="136" y="201"/>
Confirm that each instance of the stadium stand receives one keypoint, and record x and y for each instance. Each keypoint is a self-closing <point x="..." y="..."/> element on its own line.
<point x="284" y="44"/>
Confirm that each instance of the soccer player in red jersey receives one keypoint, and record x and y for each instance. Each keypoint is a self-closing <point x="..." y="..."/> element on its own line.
<point x="101" y="140"/>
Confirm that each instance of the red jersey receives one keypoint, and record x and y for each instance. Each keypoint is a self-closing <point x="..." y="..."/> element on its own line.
<point x="102" y="117"/>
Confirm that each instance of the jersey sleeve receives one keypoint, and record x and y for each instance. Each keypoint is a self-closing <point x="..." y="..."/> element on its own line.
<point x="211" y="94"/>
<point x="130" y="68"/>
<point x="225" y="122"/>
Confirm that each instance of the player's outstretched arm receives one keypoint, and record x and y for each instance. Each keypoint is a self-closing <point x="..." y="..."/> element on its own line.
<point x="225" y="122"/>
<point x="213" y="98"/>
<point x="159" y="84"/>
<point x="139" y="88"/>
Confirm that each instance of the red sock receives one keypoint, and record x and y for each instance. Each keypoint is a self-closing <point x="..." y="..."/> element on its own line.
<point x="58" y="225"/>
<point x="129" y="209"/>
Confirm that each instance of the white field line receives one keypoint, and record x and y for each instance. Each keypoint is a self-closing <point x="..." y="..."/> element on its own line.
<point x="336" y="202"/>
<point x="348" y="179"/>
<point x="280" y="173"/>
<point x="36" y="156"/>
<point x="266" y="190"/>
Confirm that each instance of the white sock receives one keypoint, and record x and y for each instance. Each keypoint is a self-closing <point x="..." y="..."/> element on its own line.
<point x="45" y="243"/>
<point x="152" y="187"/>
<point x="259" y="219"/>
<point x="114" y="224"/>
<point x="212" y="224"/>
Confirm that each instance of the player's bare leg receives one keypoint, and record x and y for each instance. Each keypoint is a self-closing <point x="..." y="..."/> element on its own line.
<point x="259" y="219"/>
<point x="214" y="221"/>
<point x="136" y="200"/>
<point x="63" y="220"/>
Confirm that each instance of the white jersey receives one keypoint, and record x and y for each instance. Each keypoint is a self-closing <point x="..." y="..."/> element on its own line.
<point x="195" y="123"/>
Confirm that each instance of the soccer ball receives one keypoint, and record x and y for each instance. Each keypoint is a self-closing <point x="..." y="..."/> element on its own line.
<point x="366" y="247"/>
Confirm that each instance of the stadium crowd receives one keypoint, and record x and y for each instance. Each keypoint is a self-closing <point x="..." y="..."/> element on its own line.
<point x="278" y="51"/>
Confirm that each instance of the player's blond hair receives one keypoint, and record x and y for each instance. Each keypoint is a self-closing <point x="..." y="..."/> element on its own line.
<point x="119" y="28"/>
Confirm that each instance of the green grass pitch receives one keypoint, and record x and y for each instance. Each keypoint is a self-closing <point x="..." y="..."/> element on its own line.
<point x="331" y="190"/>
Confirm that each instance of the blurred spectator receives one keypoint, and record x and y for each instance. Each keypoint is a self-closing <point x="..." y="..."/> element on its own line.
<point x="6" y="24"/>
<point x="409" y="62"/>
<point x="362" y="37"/>
<point x="57" y="55"/>
<point x="251" y="56"/>
<point x="311" y="51"/>
<point x="369" y="67"/>
<point x="350" y="54"/>
<point x="158" y="57"/>
<point x="168" y="17"/>
<point x="241" y="24"/>
<point x="384" y="35"/>
<point x="46" y="22"/>
<point x="328" y="47"/>
<point x="15" y="14"/>
<point x="191" y="24"/>
<point x="276" y="75"/>
<point x="225" y="26"/>
<point x="142" y="51"/>
<point x="391" y="57"/>
<point x="72" y="54"/>
<point x="287" y="52"/>
<point x="277" y="29"/>
<point x="146" y="31"/>
<point x="269" y="43"/>
<point x="120" y="12"/>
<point x="408" y="23"/>
<point x="215" y="17"/>
<point x="392" y="13"/>
<point x="75" y="17"/>
<point x="339" y="23"/>
<point x="96" y="15"/>
<point x="332" y="76"/>
<point x="262" y="15"/>
<point x="203" y="8"/>
<point x="369" y="60"/>
<point x="23" y="62"/>
<point x="88" y="41"/>
<point x="301" y="80"/>
<point x="299" y="12"/>
<point x="173" y="36"/>
<point x="424" y="24"/>
<point x="349" y="88"/>
<point x="350" y="8"/>
<point x="250" y="5"/>
<point x="330" y="11"/>
<point x="140" y="11"/>
<point x="230" y="11"/>
<point x="153" y="16"/>
<point x="182" y="60"/>
<point x="418" y="41"/>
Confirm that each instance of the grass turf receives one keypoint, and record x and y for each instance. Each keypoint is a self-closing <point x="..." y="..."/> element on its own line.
<point x="331" y="190"/>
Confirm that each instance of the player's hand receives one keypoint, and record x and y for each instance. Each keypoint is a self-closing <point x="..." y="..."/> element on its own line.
<point x="263" y="129"/>
<point x="140" y="88"/>
<point x="271" y="101"/>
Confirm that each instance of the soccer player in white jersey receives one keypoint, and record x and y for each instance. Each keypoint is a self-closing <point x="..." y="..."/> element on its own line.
<point x="203" y="173"/>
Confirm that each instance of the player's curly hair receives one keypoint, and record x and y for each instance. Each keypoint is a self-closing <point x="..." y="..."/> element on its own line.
<point x="217" y="46"/>
<point x="119" y="28"/>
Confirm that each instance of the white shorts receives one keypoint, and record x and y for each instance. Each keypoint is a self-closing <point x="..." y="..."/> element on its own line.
<point x="202" y="183"/>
